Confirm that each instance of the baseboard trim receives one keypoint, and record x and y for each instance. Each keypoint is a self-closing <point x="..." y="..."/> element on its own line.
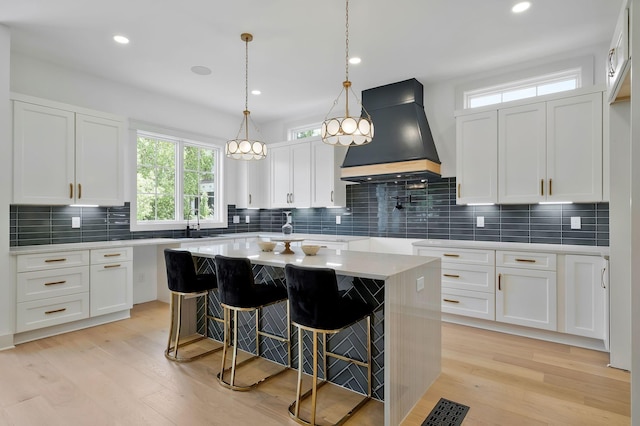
<point x="29" y="336"/>
<point x="6" y="342"/>
<point x="549" y="336"/>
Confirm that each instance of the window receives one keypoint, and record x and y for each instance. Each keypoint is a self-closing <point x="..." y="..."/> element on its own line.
<point x="304" y="132"/>
<point x="177" y="181"/>
<point x="538" y="86"/>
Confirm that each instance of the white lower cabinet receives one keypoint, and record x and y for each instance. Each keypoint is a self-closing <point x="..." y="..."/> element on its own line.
<point x="111" y="280"/>
<point x="58" y="288"/>
<point x="467" y="280"/>
<point x="586" y="300"/>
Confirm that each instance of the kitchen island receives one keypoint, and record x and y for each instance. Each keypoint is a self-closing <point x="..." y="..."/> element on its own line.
<point x="405" y="291"/>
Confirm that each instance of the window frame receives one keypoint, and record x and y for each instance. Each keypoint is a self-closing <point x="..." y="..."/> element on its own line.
<point x="532" y="82"/>
<point x="181" y="141"/>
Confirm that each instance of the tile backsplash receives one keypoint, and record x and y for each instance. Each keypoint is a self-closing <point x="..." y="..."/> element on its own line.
<point x="382" y="210"/>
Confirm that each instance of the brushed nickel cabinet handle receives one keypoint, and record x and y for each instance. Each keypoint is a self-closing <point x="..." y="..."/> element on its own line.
<point x="612" y="70"/>
<point x="71" y="190"/>
<point x="602" y="284"/>
<point x="500" y="282"/>
<point x="55" y="311"/>
<point x="55" y="282"/>
<point x="451" y="275"/>
<point x="112" y="266"/>
<point x="550" y="186"/>
<point x="249" y="198"/>
<point x="79" y="191"/>
<point x="526" y="260"/>
<point x="451" y="255"/>
<point x="542" y="187"/>
<point x="332" y="196"/>
<point x="62" y="259"/>
<point x="451" y="300"/>
<point x="112" y="254"/>
<point x="292" y="197"/>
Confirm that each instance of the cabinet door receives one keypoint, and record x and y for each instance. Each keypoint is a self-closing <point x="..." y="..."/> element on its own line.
<point x="300" y="174"/>
<point x="111" y="288"/>
<point x="574" y="148"/>
<point x="526" y="297"/>
<point x="99" y="161"/>
<point x="586" y="296"/>
<point x="328" y="189"/>
<point x="43" y="155"/>
<point x="280" y="191"/>
<point x="477" y="158"/>
<point x="252" y="188"/>
<point x="522" y="154"/>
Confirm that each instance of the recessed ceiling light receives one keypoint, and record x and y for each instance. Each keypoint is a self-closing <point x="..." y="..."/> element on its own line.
<point x="120" y="39"/>
<point x="355" y="60"/>
<point x="255" y="92"/>
<point x="200" y="70"/>
<point x="521" y="7"/>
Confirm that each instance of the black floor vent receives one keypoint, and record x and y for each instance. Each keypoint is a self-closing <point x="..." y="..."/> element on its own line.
<point x="446" y="413"/>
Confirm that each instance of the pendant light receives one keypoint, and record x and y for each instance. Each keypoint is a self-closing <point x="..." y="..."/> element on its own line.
<point x="347" y="130"/>
<point x="243" y="148"/>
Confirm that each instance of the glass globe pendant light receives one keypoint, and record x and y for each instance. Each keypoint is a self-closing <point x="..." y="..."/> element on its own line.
<point x="243" y="148"/>
<point x="347" y="130"/>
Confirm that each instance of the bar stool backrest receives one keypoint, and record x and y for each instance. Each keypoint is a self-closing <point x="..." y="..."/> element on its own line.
<point x="235" y="281"/>
<point x="313" y="296"/>
<point x="181" y="271"/>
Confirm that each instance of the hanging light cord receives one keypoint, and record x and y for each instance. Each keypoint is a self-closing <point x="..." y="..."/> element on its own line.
<point x="246" y="88"/>
<point x="346" y="33"/>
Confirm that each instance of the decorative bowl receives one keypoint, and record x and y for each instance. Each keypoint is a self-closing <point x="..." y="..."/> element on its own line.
<point x="310" y="250"/>
<point x="266" y="245"/>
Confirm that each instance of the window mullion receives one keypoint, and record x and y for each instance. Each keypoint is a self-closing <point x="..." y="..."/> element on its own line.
<point x="179" y="191"/>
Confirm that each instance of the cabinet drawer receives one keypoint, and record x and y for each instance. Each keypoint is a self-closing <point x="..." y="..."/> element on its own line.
<point x="468" y="303"/>
<point x="113" y="255"/>
<point x="52" y="311"/>
<point x="58" y="282"/>
<point x="471" y="256"/>
<point x="528" y="260"/>
<point x="62" y="259"/>
<point x="468" y="277"/>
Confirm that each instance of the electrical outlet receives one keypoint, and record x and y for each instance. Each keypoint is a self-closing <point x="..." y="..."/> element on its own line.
<point x="480" y="221"/>
<point x="575" y="222"/>
<point x="338" y="220"/>
<point x="75" y="222"/>
<point x="247" y="219"/>
<point x="420" y="284"/>
<point x="236" y="219"/>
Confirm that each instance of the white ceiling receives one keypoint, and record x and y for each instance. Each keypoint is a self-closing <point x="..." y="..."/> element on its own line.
<point x="297" y="58"/>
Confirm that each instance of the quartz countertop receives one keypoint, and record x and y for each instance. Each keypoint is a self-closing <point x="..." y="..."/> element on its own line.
<point x="491" y="245"/>
<point x="352" y="263"/>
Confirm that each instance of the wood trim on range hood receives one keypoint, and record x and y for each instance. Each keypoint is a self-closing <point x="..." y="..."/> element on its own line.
<point x="413" y="167"/>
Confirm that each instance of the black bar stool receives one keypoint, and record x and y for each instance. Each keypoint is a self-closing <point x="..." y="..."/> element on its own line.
<point x="183" y="281"/>
<point x="317" y="305"/>
<point x="238" y="292"/>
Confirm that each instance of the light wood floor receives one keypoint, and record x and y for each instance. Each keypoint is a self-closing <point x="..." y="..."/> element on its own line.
<point x="116" y="374"/>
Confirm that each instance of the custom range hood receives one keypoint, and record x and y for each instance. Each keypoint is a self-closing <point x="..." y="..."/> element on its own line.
<point x="402" y="147"/>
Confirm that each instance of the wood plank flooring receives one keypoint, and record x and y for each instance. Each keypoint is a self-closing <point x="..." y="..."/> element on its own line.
<point x="116" y="374"/>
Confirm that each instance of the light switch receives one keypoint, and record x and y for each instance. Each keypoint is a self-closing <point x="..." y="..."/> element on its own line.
<point x="75" y="222"/>
<point x="236" y="219"/>
<point x="480" y="221"/>
<point x="575" y="222"/>
<point x="247" y="219"/>
<point x="420" y="284"/>
<point x="338" y="220"/>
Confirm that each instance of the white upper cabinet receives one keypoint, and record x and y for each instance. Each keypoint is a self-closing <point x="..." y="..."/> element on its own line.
<point x="290" y="168"/>
<point x="327" y="188"/>
<point x="522" y="154"/>
<point x="619" y="60"/>
<point x="574" y="149"/>
<point x="252" y="190"/>
<point x="65" y="157"/>
<point x="477" y="158"/>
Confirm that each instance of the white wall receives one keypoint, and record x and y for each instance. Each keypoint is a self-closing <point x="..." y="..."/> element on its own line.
<point x="7" y="274"/>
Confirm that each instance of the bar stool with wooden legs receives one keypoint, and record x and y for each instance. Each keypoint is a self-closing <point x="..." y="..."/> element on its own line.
<point x="317" y="305"/>
<point x="184" y="282"/>
<point x="239" y="292"/>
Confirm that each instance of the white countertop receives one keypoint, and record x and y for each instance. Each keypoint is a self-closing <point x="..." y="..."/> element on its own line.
<point x="491" y="245"/>
<point x="379" y="266"/>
